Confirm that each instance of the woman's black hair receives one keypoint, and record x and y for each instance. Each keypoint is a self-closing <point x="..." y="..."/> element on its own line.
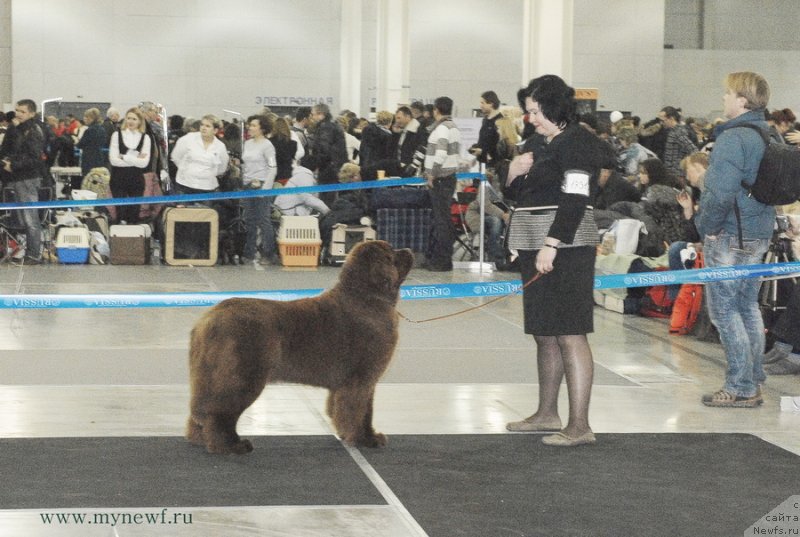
<point x="175" y="122"/>
<point x="309" y="161"/>
<point x="264" y="122"/>
<point x="657" y="173"/>
<point x="555" y="98"/>
<point x="491" y="98"/>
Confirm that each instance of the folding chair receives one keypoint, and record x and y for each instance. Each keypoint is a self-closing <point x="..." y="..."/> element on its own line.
<point x="465" y="238"/>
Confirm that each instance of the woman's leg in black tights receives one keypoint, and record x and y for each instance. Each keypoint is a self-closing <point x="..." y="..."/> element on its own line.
<point x="550" y="367"/>
<point x="578" y="367"/>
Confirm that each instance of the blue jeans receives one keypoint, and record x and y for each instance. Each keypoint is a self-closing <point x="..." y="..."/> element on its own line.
<point x="494" y="244"/>
<point x="733" y="308"/>
<point x="675" y="263"/>
<point x="257" y="212"/>
<point x="28" y="190"/>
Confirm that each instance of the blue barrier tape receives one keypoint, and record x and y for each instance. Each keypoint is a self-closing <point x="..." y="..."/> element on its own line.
<point x="407" y="292"/>
<point x="216" y="196"/>
<point x="703" y="275"/>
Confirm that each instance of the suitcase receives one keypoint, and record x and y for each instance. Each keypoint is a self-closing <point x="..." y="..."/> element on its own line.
<point x="191" y="236"/>
<point x="130" y="244"/>
<point x="344" y="238"/>
<point x="405" y="228"/>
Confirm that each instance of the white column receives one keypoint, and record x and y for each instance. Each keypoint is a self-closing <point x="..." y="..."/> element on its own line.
<point x="351" y="57"/>
<point x="393" y="65"/>
<point x="547" y="39"/>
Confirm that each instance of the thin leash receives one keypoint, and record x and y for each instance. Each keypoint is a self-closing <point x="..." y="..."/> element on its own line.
<point x="473" y="308"/>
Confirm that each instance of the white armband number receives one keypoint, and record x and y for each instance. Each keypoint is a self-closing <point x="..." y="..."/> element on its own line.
<point x="576" y="182"/>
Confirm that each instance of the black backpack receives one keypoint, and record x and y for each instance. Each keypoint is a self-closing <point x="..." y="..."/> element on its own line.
<point x="778" y="178"/>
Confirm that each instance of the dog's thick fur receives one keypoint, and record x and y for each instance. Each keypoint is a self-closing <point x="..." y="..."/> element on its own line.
<point x="341" y="340"/>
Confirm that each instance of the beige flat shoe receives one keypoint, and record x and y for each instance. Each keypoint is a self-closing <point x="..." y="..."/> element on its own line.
<point x="528" y="426"/>
<point x="562" y="440"/>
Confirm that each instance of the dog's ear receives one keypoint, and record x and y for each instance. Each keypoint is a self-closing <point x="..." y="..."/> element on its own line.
<point x="403" y="262"/>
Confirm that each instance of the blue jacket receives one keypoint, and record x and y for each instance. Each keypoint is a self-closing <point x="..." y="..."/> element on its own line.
<point x="736" y="156"/>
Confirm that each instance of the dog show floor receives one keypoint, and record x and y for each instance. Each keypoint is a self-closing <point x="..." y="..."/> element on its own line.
<point x="93" y="404"/>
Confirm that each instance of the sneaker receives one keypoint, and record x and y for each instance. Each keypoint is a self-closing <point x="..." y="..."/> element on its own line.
<point x="269" y="260"/>
<point x="27" y="261"/>
<point x="725" y="399"/>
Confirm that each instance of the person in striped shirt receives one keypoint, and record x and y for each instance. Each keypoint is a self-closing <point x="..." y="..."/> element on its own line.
<point x="441" y="163"/>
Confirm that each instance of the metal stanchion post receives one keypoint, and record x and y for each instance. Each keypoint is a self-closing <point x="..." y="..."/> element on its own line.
<point x="481" y="205"/>
<point x="479" y="265"/>
<point x="44" y="103"/>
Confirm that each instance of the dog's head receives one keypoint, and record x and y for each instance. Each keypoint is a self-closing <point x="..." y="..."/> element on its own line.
<point x="374" y="267"/>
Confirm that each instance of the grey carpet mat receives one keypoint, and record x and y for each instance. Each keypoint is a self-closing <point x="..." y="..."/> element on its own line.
<point x="453" y="485"/>
<point x="626" y="484"/>
<point x="52" y="473"/>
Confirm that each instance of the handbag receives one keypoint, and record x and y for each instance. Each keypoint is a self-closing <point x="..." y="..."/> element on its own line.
<point x="529" y="226"/>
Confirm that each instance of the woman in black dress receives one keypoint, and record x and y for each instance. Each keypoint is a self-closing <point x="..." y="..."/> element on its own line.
<point x="285" y="149"/>
<point x="555" y="235"/>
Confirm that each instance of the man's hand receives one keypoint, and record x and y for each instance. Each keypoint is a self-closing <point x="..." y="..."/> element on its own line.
<point x="7" y="165"/>
<point x="685" y="201"/>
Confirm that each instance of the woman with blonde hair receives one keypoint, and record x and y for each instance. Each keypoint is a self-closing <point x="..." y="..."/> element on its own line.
<point x="350" y="173"/>
<point x="376" y="140"/>
<point x="129" y="155"/>
<point x="507" y="143"/>
<point x="348" y="208"/>
<point x="201" y="158"/>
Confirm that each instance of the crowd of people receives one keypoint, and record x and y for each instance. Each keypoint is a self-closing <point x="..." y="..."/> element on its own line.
<point x="566" y="176"/>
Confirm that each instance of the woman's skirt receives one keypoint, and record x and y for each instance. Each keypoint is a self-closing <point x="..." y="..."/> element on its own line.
<point x="561" y="302"/>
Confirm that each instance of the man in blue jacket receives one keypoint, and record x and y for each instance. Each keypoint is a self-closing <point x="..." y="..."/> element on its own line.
<point x="736" y="230"/>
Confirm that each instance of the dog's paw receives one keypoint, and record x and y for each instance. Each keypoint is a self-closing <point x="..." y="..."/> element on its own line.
<point x="241" y="447"/>
<point x="194" y="434"/>
<point x="376" y="440"/>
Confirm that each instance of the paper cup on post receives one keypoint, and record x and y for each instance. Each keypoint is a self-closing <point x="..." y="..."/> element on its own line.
<point x="381" y="174"/>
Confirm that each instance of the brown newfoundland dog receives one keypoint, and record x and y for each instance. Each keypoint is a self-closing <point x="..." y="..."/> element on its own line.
<point x="341" y="340"/>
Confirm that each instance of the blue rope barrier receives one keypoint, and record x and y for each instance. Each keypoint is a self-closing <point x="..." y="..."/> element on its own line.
<point x="407" y="292"/>
<point x="216" y="196"/>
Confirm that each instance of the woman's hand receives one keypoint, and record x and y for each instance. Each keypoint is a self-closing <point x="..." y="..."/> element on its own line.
<point x="545" y="258"/>
<point x="519" y="166"/>
<point x="792" y="137"/>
